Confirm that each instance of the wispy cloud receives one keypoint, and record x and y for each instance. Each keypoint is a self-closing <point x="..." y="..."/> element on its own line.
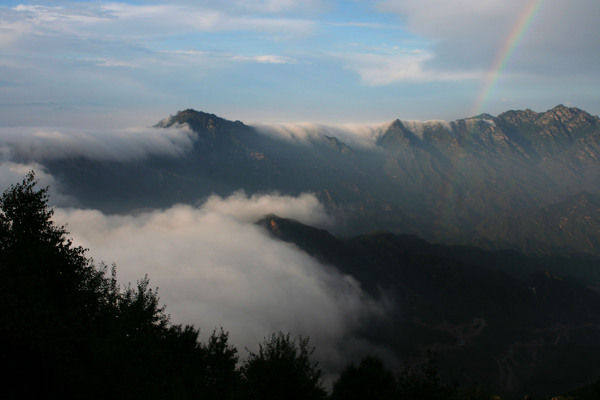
<point x="225" y="56"/>
<point x="376" y="69"/>
<point x="138" y="21"/>
<point x="266" y="59"/>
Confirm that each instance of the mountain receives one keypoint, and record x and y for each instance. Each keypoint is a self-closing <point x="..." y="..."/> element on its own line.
<point x="493" y="329"/>
<point x="570" y="226"/>
<point x="450" y="182"/>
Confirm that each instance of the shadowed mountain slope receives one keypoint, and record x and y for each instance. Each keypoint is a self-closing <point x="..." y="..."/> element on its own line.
<point x="490" y="327"/>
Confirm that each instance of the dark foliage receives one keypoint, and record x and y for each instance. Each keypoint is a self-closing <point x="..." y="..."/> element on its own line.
<point x="424" y="382"/>
<point x="68" y="330"/>
<point x="282" y="369"/>
<point x="221" y="377"/>
<point x="49" y="294"/>
<point x="369" y="380"/>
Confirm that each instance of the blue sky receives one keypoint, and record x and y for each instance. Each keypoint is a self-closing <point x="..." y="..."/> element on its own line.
<point x="72" y="63"/>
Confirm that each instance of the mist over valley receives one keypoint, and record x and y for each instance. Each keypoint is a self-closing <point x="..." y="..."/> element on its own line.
<point x="477" y="238"/>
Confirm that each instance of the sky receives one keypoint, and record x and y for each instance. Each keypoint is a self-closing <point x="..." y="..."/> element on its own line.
<point x="132" y="63"/>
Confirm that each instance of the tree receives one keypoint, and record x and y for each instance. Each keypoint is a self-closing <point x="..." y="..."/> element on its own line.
<point x="68" y="330"/>
<point x="370" y="380"/>
<point x="424" y="383"/>
<point x="47" y="293"/>
<point x="221" y="377"/>
<point x="282" y="369"/>
<point x="33" y="247"/>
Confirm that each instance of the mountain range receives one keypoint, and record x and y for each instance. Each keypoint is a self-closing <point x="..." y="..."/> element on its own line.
<point x="522" y="180"/>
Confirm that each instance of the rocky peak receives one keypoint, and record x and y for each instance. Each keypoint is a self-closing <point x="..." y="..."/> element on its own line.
<point x="209" y="127"/>
<point x="571" y="118"/>
<point x="198" y="121"/>
<point x="397" y="135"/>
<point x="516" y="117"/>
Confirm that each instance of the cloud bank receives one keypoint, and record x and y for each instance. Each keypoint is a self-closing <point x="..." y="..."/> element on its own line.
<point x="304" y="208"/>
<point x="214" y="268"/>
<point x="354" y="135"/>
<point x="40" y="144"/>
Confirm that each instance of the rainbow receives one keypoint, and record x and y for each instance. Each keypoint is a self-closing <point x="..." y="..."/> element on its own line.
<point x="505" y="54"/>
<point x="502" y="58"/>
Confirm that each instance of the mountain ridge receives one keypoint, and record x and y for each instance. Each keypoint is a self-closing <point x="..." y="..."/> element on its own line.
<point x="443" y="181"/>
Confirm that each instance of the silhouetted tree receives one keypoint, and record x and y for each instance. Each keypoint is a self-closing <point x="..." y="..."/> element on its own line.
<point x="221" y="377"/>
<point x="68" y="330"/>
<point x="370" y="380"/>
<point x="282" y="369"/>
<point x="424" y="382"/>
<point x="48" y="294"/>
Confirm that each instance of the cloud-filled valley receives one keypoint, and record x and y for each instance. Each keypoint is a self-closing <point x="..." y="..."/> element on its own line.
<point x="215" y="268"/>
<point x="179" y="203"/>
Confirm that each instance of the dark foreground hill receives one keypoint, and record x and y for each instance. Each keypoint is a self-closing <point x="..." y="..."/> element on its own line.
<point x="522" y="180"/>
<point x="539" y="334"/>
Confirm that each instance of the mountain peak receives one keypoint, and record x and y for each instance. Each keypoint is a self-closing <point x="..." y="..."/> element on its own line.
<point x="187" y="116"/>
<point x="397" y="134"/>
<point x="200" y="121"/>
<point x="485" y="116"/>
<point x="565" y="112"/>
<point x="573" y="119"/>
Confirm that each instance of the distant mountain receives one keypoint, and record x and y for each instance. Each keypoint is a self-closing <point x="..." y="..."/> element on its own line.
<point x="448" y="182"/>
<point x="493" y="329"/>
<point x="571" y="226"/>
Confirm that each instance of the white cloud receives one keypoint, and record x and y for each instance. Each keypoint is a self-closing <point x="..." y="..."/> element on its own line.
<point x="123" y="22"/>
<point x="267" y="59"/>
<point x="304" y="208"/>
<point x="42" y="143"/>
<point x="469" y="34"/>
<point x="384" y="69"/>
<point x="378" y="69"/>
<point x="215" y="269"/>
<point x="122" y="54"/>
<point x="353" y="135"/>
